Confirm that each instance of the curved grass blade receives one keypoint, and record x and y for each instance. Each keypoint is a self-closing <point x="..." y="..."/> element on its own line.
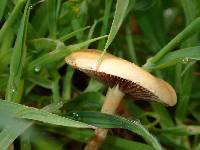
<point x="109" y="121"/>
<point x="59" y="54"/>
<point x="179" y="56"/>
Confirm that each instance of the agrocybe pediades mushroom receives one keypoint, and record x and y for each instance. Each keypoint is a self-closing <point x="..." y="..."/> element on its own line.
<point x="123" y="77"/>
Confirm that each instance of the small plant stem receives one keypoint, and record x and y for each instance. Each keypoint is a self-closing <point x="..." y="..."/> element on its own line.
<point x="112" y="101"/>
<point x="191" y="29"/>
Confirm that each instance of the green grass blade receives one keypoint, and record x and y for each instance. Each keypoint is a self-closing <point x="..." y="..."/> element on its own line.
<point x="58" y="54"/>
<point x="51" y="5"/>
<point x="25" y="143"/>
<point x="40" y="20"/>
<point x="152" y="25"/>
<point x="3" y="4"/>
<point x="131" y="49"/>
<point x="182" y="130"/>
<point x="87" y="101"/>
<point x="12" y="18"/>
<point x="120" y="11"/>
<point x="191" y="29"/>
<point x="108" y="121"/>
<point x="45" y="44"/>
<point x="55" y="83"/>
<point x="104" y="27"/>
<point x="189" y="11"/>
<point x="39" y="80"/>
<point x="185" y="92"/>
<point x="72" y="34"/>
<point x="67" y="84"/>
<point x="15" y="129"/>
<point x="184" y="56"/>
<point x="111" y="142"/>
<point x="21" y="111"/>
<point x="17" y="59"/>
<point x="12" y="131"/>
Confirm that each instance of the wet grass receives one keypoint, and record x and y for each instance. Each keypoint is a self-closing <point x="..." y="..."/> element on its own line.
<point x="35" y="36"/>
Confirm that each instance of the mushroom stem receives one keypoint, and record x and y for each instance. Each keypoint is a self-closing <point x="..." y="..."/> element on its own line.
<point x="112" y="101"/>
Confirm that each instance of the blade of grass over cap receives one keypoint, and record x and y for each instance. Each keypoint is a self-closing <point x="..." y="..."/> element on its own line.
<point x="12" y="18"/>
<point x="17" y="58"/>
<point x="120" y="12"/>
<point x="110" y="121"/>
<point x="191" y="29"/>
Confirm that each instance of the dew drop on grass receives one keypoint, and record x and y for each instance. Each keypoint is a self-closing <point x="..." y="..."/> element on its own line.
<point x="37" y="69"/>
<point x="13" y="89"/>
<point x="75" y="116"/>
<point x="31" y="7"/>
<point x="185" y="60"/>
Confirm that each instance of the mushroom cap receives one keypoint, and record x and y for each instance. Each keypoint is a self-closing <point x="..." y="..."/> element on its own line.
<point x="132" y="79"/>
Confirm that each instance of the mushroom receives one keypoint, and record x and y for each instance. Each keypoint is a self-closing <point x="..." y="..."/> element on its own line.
<point x="123" y="77"/>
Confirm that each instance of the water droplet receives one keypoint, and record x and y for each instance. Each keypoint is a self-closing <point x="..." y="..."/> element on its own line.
<point x="37" y="69"/>
<point x="13" y="89"/>
<point x="31" y="7"/>
<point x="168" y="12"/>
<point x="185" y="60"/>
<point x="75" y="115"/>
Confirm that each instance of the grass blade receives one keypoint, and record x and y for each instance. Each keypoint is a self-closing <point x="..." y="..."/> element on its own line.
<point x="51" y="5"/>
<point x="21" y="111"/>
<point x="58" y="54"/>
<point x="108" y="121"/>
<point x="120" y="12"/>
<point x="72" y="34"/>
<point x="191" y="29"/>
<point x="67" y="84"/>
<point x="3" y="4"/>
<point x="104" y="27"/>
<point x="184" y="56"/>
<point x="12" y="18"/>
<point x="17" y="58"/>
<point x="12" y="131"/>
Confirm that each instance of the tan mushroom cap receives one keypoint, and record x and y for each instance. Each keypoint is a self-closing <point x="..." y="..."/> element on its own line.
<point x="132" y="80"/>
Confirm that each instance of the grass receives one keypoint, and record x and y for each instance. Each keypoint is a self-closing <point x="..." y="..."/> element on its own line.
<point x="45" y="102"/>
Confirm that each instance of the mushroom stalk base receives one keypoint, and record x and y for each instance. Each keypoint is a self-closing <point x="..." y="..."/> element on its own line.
<point x="112" y="101"/>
